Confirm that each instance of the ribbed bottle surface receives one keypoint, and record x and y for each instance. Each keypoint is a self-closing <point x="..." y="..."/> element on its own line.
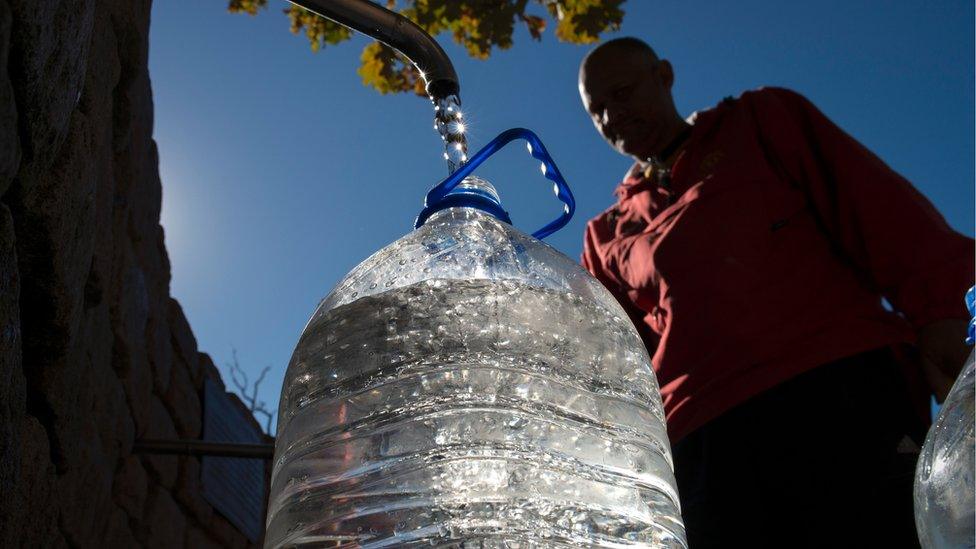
<point x="468" y="386"/>
<point x="945" y="510"/>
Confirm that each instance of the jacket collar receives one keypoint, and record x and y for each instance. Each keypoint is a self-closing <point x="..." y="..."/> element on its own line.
<point x="634" y="180"/>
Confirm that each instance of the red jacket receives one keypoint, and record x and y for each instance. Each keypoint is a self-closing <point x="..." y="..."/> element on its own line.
<point x="770" y="255"/>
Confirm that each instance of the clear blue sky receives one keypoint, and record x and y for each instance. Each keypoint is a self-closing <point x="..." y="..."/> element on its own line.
<point x="281" y="171"/>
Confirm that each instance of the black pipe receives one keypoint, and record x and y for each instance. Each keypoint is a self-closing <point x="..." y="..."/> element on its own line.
<point x="188" y="447"/>
<point x="395" y="31"/>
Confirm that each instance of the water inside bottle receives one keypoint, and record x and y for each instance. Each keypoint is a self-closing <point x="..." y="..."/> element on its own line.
<point x="944" y="502"/>
<point x="472" y="413"/>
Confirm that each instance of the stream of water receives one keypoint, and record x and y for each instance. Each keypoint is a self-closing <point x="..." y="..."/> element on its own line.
<point x="449" y="123"/>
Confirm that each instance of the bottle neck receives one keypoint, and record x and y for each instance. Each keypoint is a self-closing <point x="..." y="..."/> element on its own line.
<point x="466" y="211"/>
<point x="473" y="193"/>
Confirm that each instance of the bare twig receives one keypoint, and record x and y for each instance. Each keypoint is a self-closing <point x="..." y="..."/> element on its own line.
<point x="249" y="392"/>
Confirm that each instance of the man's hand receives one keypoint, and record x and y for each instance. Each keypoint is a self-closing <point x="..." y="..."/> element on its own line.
<point x="942" y="351"/>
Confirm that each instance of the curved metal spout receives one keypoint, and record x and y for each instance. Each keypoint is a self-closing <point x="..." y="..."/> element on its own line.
<point x="395" y="31"/>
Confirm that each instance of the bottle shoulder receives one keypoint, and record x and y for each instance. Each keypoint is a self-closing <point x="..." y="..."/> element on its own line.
<point x="465" y="244"/>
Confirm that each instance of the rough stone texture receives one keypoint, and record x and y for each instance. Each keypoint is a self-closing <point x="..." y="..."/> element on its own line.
<point x="184" y="343"/>
<point x="131" y="487"/>
<point x="197" y="538"/>
<point x="13" y="396"/>
<point x="33" y="513"/>
<point x="183" y="403"/>
<point x="209" y="369"/>
<point x="189" y="491"/>
<point x="162" y="467"/>
<point x="118" y="533"/>
<point x="94" y="353"/>
<point x="9" y="140"/>
<point x="50" y="43"/>
<point x="225" y="533"/>
<point x="164" y="525"/>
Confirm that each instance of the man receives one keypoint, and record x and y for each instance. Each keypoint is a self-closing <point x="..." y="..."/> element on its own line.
<point x="752" y="247"/>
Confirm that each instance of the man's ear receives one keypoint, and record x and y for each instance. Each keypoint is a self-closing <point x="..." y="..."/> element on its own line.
<point x="665" y="72"/>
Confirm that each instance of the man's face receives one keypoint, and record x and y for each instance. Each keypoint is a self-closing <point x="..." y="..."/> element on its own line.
<point x="628" y="97"/>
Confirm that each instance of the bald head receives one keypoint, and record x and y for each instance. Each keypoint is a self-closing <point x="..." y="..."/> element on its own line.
<point x="626" y="89"/>
<point x="627" y="46"/>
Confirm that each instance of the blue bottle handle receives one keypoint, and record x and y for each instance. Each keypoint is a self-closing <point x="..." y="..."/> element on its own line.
<point x="971" y="305"/>
<point x="537" y="150"/>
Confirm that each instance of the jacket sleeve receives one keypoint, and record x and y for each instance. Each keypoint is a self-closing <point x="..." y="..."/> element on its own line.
<point x="878" y="221"/>
<point x="592" y="262"/>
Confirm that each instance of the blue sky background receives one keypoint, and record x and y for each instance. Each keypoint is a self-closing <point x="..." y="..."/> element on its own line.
<point x="281" y="171"/>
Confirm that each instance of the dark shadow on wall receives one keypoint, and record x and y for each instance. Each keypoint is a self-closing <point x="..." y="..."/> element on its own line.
<point x="94" y="353"/>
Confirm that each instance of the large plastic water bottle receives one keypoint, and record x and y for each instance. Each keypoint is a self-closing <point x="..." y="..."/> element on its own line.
<point x="470" y="386"/>
<point x="945" y="510"/>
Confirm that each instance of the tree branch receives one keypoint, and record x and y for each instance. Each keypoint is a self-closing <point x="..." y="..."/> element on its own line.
<point x="248" y="392"/>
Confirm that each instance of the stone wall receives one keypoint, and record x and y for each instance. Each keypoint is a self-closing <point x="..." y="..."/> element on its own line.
<point x="94" y="352"/>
